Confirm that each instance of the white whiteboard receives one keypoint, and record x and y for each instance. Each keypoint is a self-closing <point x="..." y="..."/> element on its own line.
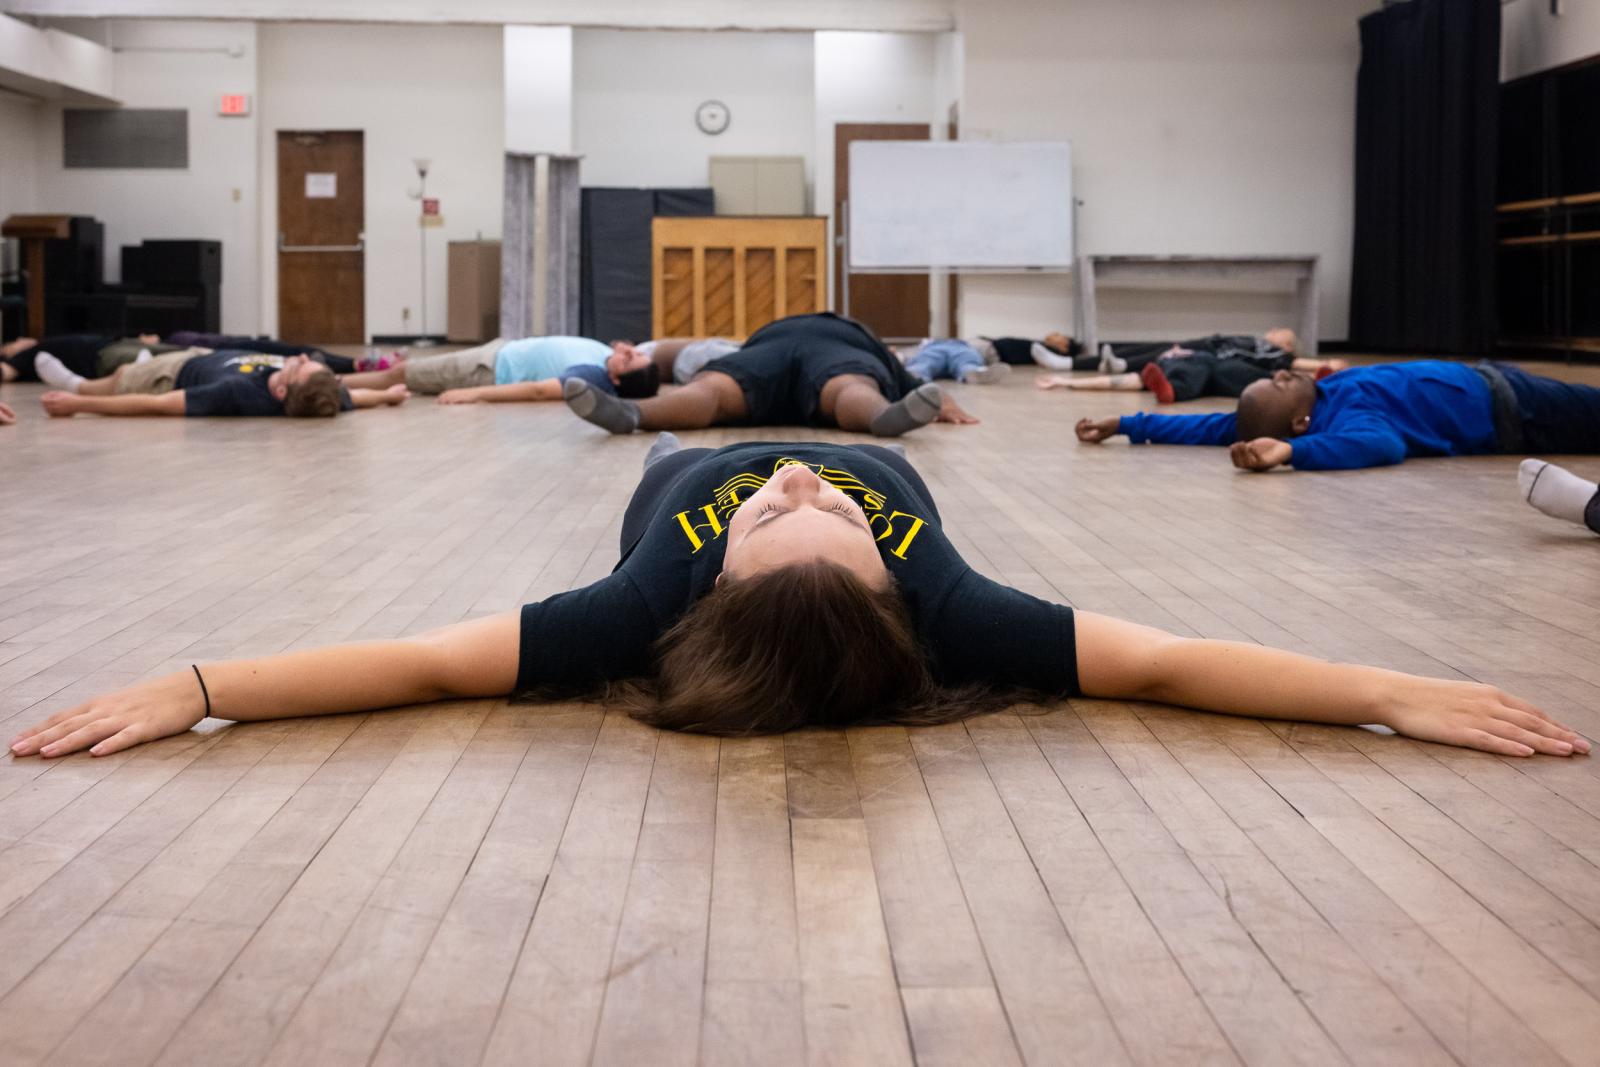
<point x="960" y="204"/>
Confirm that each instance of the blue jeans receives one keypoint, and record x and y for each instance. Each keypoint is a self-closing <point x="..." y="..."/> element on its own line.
<point x="1556" y="416"/>
<point x="944" y="359"/>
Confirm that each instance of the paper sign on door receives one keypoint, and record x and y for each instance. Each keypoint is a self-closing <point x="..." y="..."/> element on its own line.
<point x="322" y="186"/>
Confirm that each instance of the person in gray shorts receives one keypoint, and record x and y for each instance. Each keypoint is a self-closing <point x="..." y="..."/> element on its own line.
<point x="519" y="371"/>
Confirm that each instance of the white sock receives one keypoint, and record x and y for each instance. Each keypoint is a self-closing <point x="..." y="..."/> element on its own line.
<point x="1554" y="490"/>
<point x="144" y="356"/>
<point x="1110" y="362"/>
<point x="53" y="372"/>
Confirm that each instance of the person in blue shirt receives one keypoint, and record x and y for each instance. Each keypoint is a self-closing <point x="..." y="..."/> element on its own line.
<point x="1381" y="415"/>
<point x="532" y="368"/>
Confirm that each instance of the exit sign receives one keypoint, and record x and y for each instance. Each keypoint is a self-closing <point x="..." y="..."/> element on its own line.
<point x="234" y="104"/>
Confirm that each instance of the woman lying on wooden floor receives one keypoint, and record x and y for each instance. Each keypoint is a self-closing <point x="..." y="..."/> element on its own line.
<point x="765" y="587"/>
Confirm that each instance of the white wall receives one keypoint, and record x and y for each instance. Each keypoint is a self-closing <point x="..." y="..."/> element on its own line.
<point x="18" y="133"/>
<point x="635" y="94"/>
<point x="1532" y="39"/>
<point x="867" y="77"/>
<point x="538" y="89"/>
<point x="45" y="62"/>
<point x="429" y="91"/>
<point x="1223" y="127"/>
<point x="214" y="199"/>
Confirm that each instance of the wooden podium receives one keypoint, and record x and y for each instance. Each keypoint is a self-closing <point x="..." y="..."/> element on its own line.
<point x="33" y="231"/>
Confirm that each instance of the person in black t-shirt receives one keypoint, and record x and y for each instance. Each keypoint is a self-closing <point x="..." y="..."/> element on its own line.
<point x="817" y="370"/>
<point x="198" y="382"/>
<point x="79" y="355"/>
<point x="764" y="587"/>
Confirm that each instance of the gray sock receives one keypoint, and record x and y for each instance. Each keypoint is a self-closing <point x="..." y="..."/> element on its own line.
<point x="665" y="444"/>
<point x="610" y="413"/>
<point x="994" y="372"/>
<point x="917" y="408"/>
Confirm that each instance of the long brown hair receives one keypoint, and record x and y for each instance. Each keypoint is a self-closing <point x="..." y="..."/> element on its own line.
<point x="809" y="644"/>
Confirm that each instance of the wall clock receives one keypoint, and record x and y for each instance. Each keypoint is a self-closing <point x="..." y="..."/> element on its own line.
<point x="712" y="117"/>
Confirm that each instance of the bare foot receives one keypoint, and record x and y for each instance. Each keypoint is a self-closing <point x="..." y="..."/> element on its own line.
<point x="7" y="416"/>
<point x="1052" y="381"/>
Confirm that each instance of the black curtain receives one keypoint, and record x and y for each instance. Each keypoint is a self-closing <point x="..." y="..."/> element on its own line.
<point x="1427" y="117"/>
<point x="614" y="272"/>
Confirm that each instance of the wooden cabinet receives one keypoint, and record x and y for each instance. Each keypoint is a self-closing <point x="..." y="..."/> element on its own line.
<point x="474" y="295"/>
<point x="728" y="277"/>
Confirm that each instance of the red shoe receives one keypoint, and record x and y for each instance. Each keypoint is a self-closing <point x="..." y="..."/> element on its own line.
<point x="1322" y="372"/>
<point x="1156" y="381"/>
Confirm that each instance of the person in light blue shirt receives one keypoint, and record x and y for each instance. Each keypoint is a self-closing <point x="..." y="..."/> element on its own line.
<point x="531" y="368"/>
<point x="1381" y="415"/>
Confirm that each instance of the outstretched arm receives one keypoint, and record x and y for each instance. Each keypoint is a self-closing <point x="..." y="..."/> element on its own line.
<point x="1124" y="660"/>
<point x="62" y="405"/>
<point x="469" y="659"/>
<point x="379" y="398"/>
<point x="512" y="393"/>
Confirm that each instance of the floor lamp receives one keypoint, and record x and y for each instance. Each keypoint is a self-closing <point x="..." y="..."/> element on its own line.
<point x="422" y="165"/>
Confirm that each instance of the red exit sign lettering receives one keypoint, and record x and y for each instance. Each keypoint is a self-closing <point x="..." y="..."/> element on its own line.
<point x="234" y="104"/>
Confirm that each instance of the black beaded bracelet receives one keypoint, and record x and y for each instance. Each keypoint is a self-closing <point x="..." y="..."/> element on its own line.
<point x="203" y="690"/>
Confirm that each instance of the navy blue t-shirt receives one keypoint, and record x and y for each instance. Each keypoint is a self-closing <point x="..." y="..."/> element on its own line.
<point x="973" y="629"/>
<point x="231" y="382"/>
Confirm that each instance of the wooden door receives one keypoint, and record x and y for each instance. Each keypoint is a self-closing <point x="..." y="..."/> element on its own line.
<point x="894" y="305"/>
<point x="321" y="243"/>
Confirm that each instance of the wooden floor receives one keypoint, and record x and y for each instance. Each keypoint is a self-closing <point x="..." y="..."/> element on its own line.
<point x="1092" y="883"/>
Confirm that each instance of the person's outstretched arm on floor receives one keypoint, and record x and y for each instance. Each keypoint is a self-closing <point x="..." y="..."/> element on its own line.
<point x="64" y="405"/>
<point x="511" y="393"/>
<point x="1126" y="661"/>
<point x="1216" y="429"/>
<point x="379" y="398"/>
<point x="469" y="659"/>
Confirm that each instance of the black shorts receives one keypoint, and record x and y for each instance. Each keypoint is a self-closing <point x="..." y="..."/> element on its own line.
<point x="782" y="368"/>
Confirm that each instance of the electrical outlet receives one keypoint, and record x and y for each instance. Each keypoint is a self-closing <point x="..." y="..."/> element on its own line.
<point x="405" y="315"/>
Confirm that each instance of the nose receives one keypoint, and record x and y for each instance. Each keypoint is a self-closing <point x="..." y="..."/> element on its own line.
<point x="799" y="483"/>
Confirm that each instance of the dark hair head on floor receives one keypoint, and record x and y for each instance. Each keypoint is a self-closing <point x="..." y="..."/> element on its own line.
<point x="805" y="645"/>
<point x="1278" y="407"/>
<point x="641" y="383"/>
<point x="317" y="397"/>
